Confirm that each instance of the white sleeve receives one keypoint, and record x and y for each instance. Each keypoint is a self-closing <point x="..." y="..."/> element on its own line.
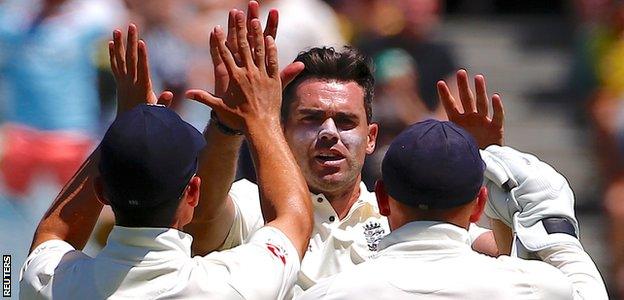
<point x="581" y="271"/>
<point x="475" y="231"/>
<point x="264" y="268"/>
<point x="248" y="215"/>
<point x="38" y="270"/>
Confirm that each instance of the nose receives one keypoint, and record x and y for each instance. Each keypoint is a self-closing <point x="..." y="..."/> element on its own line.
<point x="328" y="131"/>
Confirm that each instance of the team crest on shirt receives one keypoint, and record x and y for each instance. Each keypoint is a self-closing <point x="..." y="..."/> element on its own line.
<point x="373" y="232"/>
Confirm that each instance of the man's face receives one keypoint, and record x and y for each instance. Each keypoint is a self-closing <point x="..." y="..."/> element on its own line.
<point x="328" y="133"/>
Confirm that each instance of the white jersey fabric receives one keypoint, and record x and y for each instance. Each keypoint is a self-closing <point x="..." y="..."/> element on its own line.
<point x="335" y="246"/>
<point x="156" y="263"/>
<point x="435" y="261"/>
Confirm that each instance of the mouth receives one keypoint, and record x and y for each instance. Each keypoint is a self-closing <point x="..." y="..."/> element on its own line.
<point x="329" y="159"/>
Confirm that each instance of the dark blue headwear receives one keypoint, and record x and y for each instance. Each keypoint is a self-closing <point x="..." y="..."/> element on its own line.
<point x="148" y="156"/>
<point x="433" y="164"/>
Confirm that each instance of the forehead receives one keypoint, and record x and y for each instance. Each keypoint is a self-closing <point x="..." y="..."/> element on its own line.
<point x="330" y="95"/>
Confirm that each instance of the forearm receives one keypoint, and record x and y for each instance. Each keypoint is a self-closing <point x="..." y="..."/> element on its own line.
<point x="502" y="235"/>
<point x="576" y="264"/>
<point x="75" y="211"/>
<point x="214" y="214"/>
<point x="283" y="189"/>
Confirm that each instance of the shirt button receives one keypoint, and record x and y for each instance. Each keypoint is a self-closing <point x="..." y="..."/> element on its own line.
<point x="319" y="199"/>
<point x="332" y="218"/>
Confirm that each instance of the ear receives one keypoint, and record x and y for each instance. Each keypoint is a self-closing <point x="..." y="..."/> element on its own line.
<point x="373" y="129"/>
<point x="382" y="198"/>
<point x="477" y="210"/>
<point x="192" y="191"/>
<point x="98" y="186"/>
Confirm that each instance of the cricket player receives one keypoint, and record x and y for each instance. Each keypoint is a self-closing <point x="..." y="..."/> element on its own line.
<point x="431" y="189"/>
<point x="145" y="169"/>
<point x="327" y="121"/>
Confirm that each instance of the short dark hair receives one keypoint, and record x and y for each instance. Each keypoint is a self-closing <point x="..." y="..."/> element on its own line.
<point x="327" y="63"/>
<point x="159" y="216"/>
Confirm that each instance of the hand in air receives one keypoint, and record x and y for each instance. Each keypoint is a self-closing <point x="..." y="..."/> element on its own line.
<point x="222" y="76"/>
<point x="474" y="116"/>
<point x="130" y="68"/>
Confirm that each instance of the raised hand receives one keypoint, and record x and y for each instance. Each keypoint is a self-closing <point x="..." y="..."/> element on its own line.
<point x="130" y="68"/>
<point x="222" y="78"/>
<point x="475" y="115"/>
<point x="254" y="88"/>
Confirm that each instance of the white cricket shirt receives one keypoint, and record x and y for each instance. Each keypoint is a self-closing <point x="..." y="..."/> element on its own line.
<point x="434" y="260"/>
<point x="335" y="246"/>
<point x="156" y="263"/>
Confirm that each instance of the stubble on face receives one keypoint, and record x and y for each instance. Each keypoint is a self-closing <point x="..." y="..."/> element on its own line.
<point x="327" y="131"/>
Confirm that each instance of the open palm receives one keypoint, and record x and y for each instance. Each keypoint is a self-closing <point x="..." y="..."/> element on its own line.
<point x="474" y="116"/>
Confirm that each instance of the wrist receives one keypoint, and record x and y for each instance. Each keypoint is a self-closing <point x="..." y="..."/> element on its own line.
<point x="268" y="125"/>
<point x="221" y="127"/>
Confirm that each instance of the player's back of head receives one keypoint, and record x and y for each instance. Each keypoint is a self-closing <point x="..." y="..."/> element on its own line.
<point x="148" y="156"/>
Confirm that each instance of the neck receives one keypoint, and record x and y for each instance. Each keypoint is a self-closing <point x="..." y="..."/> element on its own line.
<point x="459" y="216"/>
<point x="343" y="199"/>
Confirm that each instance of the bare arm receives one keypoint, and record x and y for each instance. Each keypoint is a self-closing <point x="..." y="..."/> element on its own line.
<point x="75" y="211"/>
<point x="502" y="235"/>
<point x="254" y="100"/>
<point x="214" y="215"/>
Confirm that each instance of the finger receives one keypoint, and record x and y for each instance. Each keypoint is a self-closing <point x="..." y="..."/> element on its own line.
<point x="120" y="50"/>
<point x="132" y="52"/>
<point x="272" y="63"/>
<point x="271" y="26"/>
<point x="232" y="41"/>
<point x="498" y="118"/>
<point x="482" y="97"/>
<point x="244" y="51"/>
<point x="143" y="73"/>
<point x="448" y="102"/>
<point x="224" y="52"/>
<point x="111" y="58"/>
<point x="465" y="94"/>
<point x="206" y="98"/>
<point x="259" y="54"/>
<point x="214" y="49"/>
<point x="290" y="72"/>
<point x="220" y="71"/>
<point x="165" y="98"/>
<point x="253" y="12"/>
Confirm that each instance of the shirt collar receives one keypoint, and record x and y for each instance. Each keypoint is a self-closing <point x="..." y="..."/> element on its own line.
<point x="322" y="206"/>
<point x="427" y="235"/>
<point x="144" y="245"/>
<point x="362" y="198"/>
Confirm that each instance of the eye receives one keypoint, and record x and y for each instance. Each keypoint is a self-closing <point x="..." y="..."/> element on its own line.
<point x="345" y="123"/>
<point x="311" y="118"/>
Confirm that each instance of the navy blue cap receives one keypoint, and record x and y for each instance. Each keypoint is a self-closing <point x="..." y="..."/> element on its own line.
<point x="148" y="156"/>
<point x="433" y="165"/>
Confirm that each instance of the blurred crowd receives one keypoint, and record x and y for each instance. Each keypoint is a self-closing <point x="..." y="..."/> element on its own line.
<point x="57" y="93"/>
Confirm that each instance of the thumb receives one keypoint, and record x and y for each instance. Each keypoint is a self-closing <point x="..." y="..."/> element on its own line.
<point x="165" y="98"/>
<point x="290" y="72"/>
<point x="206" y="98"/>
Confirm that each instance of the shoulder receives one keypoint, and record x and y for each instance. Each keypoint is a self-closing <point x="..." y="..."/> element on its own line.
<point x="46" y="262"/>
<point x="264" y="268"/>
<point x="545" y="280"/>
<point x="360" y="282"/>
